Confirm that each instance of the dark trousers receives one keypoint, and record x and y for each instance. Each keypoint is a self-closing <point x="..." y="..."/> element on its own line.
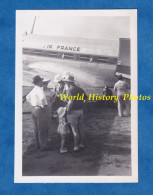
<point x="41" y="125"/>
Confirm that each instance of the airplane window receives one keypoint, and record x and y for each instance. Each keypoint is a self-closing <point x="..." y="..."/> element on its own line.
<point x="25" y="51"/>
<point x="102" y="60"/>
<point x="85" y="57"/>
<point x="53" y="54"/>
<point x="49" y="53"/>
<point x="67" y="56"/>
<point x="37" y="51"/>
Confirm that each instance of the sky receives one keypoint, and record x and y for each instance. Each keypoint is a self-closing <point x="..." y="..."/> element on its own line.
<point x="94" y="27"/>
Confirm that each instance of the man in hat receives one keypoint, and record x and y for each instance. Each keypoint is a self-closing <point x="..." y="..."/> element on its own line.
<point x="59" y="84"/>
<point x="121" y="87"/>
<point x="65" y="74"/>
<point x="58" y="89"/>
<point x="38" y="101"/>
<point x="75" y="111"/>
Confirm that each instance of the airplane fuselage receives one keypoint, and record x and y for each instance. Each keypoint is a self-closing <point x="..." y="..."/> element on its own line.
<point x="92" y="63"/>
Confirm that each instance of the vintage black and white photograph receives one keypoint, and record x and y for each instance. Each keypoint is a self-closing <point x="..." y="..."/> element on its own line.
<point x="76" y="78"/>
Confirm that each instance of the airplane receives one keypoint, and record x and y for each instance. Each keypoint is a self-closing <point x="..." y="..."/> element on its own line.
<point x="94" y="63"/>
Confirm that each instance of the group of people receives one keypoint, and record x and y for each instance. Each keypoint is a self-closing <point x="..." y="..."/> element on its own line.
<point x="47" y="105"/>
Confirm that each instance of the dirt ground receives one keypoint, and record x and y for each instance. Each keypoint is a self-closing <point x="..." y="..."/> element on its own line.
<point x="107" y="151"/>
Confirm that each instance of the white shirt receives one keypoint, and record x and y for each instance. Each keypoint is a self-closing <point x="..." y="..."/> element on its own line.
<point x="121" y="87"/>
<point x="37" y="97"/>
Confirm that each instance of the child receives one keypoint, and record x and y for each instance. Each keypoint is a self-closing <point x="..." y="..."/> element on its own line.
<point x="63" y="127"/>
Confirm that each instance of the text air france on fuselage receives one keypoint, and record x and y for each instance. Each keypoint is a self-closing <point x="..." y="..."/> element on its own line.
<point x="62" y="47"/>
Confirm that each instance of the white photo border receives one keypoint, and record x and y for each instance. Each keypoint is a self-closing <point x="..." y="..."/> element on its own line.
<point x="18" y="178"/>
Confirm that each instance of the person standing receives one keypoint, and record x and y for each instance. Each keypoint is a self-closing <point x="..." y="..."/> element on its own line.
<point x="50" y="96"/>
<point x="63" y="127"/>
<point x="75" y="111"/>
<point x="108" y="92"/>
<point x="58" y="89"/>
<point x="65" y="74"/>
<point x="59" y="84"/>
<point x="39" y="104"/>
<point x="121" y="87"/>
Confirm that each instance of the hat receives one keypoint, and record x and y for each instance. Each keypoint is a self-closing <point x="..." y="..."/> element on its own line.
<point x="45" y="80"/>
<point x="120" y="77"/>
<point x="36" y="79"/>
<point x="69" y="78"/>
<point x="65" y="74"/>
<point x="106" y="87"/>
<point x="61" y="111"/>
<point x="57" y="78"/>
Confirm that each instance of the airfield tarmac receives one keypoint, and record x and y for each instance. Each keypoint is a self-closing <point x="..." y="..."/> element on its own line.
<point x="107" y="151"/>
<point x="108" y="137"/>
